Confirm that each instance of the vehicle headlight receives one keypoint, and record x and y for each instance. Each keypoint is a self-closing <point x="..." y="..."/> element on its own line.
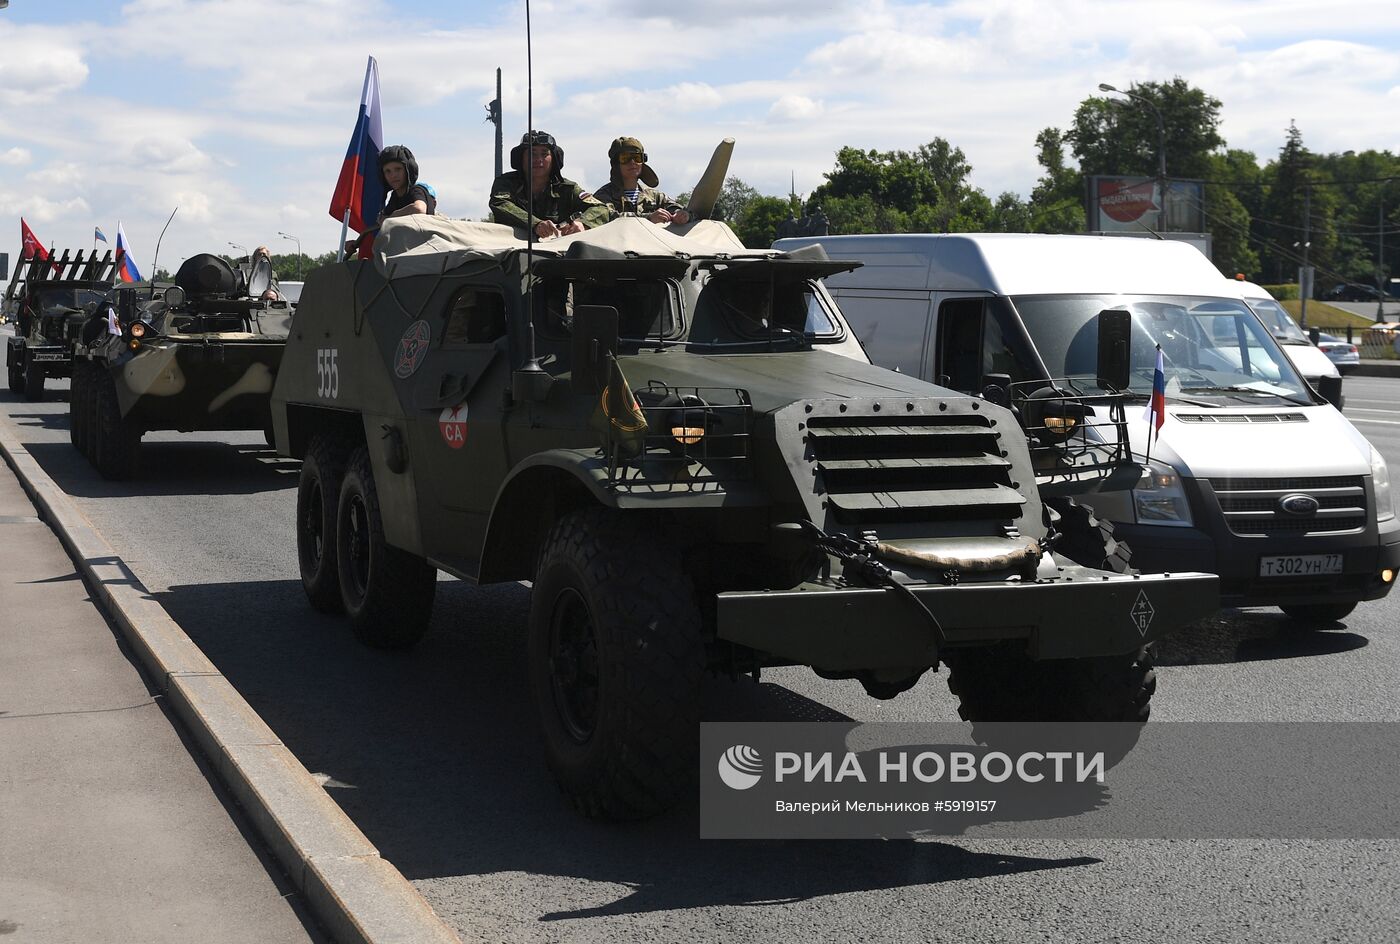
<point x="1380" y="482"/>
<point x="1159" y="498"/>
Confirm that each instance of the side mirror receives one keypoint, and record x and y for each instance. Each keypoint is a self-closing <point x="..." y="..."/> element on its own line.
<point x="1314" y="335"/>
<point x="1114" y="352"/>
<point x="997" y="389"/>
<point x="595" y="337"/>
<point x="1331" y="390"/>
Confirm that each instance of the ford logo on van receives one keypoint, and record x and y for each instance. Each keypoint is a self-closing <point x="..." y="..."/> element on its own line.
<point x="1300" y="505"/>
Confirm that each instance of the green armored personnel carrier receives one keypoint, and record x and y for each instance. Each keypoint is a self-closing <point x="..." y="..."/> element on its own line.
<point x="680" y="442"/>
<point x="200" y="354"/>
<point x="49" y="300"/>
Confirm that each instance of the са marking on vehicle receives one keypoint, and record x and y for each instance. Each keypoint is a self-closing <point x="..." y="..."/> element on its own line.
<point x="453" y="424"/>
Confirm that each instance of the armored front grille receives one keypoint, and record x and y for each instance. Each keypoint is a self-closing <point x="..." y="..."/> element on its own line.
<point x="1252" y="506"/>
<point x="912" y="468"/>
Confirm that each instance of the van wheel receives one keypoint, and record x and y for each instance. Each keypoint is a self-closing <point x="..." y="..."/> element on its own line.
<point x="33" y="379"/>
<point x="318" y="493"/>
<point x="1087" y="540"/>
<point x="1317" y="612"/>
<point x="615" y="661"/>
<point x="387" y="592"/>
<point x="116" y="444"/>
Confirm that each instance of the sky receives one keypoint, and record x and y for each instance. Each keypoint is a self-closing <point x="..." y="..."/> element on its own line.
<point x="239" y="112"/>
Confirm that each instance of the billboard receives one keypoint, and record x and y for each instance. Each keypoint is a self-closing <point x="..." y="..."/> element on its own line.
<point x="1135" y="204"/>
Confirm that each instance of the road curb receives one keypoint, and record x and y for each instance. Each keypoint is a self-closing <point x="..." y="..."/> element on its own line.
<point x="354" y="892"/>
<point x="1376" y="368"/>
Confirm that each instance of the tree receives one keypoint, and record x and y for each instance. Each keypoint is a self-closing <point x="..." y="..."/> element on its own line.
<point x="1233" y="207"/>
<point x="1057" y="202"/>
<point x="1300" y="213"/>
<point x="757" y="225"/>
<point x="1119" y="136"/>
<point x="734" y="196"/>
<point x="901" y="191"/>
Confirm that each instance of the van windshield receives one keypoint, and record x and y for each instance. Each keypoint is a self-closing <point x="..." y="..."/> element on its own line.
<point x="1210" y="346"/>
<point x="1277" y="319"/>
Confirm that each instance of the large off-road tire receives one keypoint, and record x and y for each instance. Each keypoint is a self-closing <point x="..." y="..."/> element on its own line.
<point x="318" y="494"/>
<point x="33" y="379"/>
<point x="116" y="443"/>
<point x="1313" y="613"/>
<point x="77" y="419"/>
<point x="615" y="659"/>
<point x="1087" y="540"/>
<point x="97" y="376"/>
<point x="387" y="592"/>
<point x="1001" y="683"/>
<point x="16" y="376"/>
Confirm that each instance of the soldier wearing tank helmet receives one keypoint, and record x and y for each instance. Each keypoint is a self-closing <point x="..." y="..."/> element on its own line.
<point x="398" y="168"/>
<point x="632" y="188"/>
<point x="560" y="206"/>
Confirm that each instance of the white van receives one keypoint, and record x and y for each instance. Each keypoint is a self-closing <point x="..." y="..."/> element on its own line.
<point x="1254" y="476"/>
<point x="1306" y="358"/>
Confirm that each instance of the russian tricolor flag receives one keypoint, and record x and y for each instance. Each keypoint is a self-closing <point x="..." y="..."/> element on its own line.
<point x="1156" y="413"/>
<point x="360" y="189"/>
<point x="126" y="269"/>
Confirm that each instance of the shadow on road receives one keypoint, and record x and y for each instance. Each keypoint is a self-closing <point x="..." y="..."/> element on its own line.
<point x="1232" y="636"/>
<point x="197" y="467"/>
<point x="436" y="755"/>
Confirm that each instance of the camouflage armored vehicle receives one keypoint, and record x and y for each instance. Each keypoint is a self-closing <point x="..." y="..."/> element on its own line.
<point x="200" y="354"/>
<point x="699" y="472"/>
<point x="49" y="301"/>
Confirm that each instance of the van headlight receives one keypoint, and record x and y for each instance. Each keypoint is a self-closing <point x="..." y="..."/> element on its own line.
<point x="1159" y="498"/>
<point x="1380" y="483"/>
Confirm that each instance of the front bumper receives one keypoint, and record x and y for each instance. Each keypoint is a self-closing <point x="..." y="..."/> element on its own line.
<point x="1079" y="614"/>
<point x="1236" y="560"/>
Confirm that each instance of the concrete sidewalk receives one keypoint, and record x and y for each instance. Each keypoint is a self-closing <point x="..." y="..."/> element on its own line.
<point x="112" y="827"/>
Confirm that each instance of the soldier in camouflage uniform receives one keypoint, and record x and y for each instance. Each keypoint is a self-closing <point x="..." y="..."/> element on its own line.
<point x="561" y="206"/>
<point x="632" y="188"/>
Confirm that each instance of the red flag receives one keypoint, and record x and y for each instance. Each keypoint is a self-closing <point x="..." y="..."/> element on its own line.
<point x="32" y="247"/>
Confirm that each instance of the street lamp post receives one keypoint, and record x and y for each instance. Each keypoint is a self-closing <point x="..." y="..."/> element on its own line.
<point x="245" y="251"/>
<point x="298" y="242"/>
<point x="1161" y="144"/>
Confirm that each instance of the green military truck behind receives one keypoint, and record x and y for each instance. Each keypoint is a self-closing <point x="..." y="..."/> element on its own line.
<point x="681" y="443"/>
<point x="200" y="354"/>
<point x="49" y="300"/>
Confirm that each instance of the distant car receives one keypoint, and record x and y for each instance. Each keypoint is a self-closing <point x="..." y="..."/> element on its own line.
<point x="1351" y="292"/>
<point x="1340" y="352"/>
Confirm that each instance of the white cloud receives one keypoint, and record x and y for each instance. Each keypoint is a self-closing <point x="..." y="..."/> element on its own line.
<point x="165" y="155"/>
<point x="15" y="157"/>
<point x="38" y="65"/>
<point x="795" y="108"/>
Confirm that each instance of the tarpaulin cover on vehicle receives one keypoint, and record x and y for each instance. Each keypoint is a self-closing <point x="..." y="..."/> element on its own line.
<point x="427" y="245"/>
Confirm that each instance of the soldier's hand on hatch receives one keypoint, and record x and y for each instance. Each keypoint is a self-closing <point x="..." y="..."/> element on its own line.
<point x="573" y="226"/>
<point x="545" y="229"/>
<point x="680" y="217"/>
<point x="660" y="215"/>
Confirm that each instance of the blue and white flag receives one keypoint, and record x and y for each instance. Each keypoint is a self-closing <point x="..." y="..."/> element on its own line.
<point x="98" y="234"/>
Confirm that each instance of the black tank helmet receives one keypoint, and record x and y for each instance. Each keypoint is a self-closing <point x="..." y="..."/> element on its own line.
<point x="530" y="139"/>
<point x="397" y="152"/>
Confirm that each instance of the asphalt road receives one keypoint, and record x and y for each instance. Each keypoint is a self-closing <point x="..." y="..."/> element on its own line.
<point x="435" y="753"/>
